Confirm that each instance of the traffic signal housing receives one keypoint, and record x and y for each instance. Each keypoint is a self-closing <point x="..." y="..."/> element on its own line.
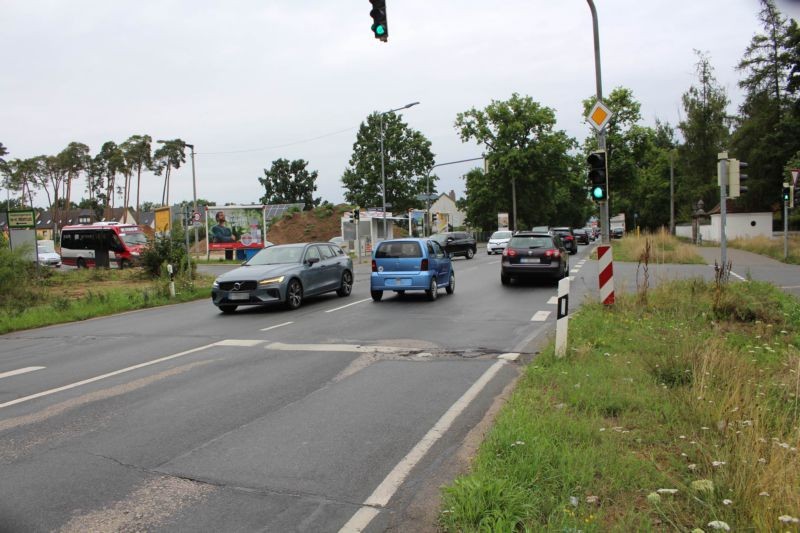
<point x="356" y="214"/>
<point x="598" y="172"/>
<point x="735" y="178"/>
<point x="788" y="195"/>
<point x="379" y="26"/>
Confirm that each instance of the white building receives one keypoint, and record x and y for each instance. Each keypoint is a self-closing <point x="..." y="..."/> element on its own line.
<point x="737" y="226"/>
<point x="446" y="204"/>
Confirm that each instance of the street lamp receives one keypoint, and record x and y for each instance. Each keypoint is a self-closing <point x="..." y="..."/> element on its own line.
<point x="383" y="175"/>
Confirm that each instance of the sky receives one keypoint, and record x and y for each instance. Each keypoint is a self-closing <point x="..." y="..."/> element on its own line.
<point x="251" y="81"/>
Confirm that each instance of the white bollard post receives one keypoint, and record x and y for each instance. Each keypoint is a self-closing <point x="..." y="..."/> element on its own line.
<point x="171" y="273"/>
<point x="562" y="320"/>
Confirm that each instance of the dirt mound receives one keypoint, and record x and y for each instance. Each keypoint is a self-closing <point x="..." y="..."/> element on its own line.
<point x="319" y="224"/>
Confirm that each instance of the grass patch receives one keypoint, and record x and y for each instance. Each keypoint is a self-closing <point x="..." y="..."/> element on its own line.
<point x="681" y="392"/>
<point x="58" y="297"/>
<point x="664" y="248"/>
<point x="771" y="247"/>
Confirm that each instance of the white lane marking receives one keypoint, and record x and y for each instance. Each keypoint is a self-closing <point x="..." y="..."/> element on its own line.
<point x="791" y="287"/>
<point x="575" y="270"/>
<point x="494" y="262"/>
<point x="572" y="278"/>
<point x="737" y="276"/>
<point x="348" y="305"/>
<point x="277" y="326"/>
<point x="510" y="356"/>
<point x="120" y="371"/>
<point x="384" y="492"/>
<point x="246" y="343"/>
<point x="540" y="316"/>
<point x="358" y="348"/>
<point x="553" y="300"/>
<point x="20" y="371"/>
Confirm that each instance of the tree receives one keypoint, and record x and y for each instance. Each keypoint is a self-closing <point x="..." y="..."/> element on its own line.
<point x="407" y="160"/>
<point x="51" y="174"/>
<point x="526" y="153"/>
<point x="20" y="175"/>
<point x="3" y="152"/>
<point x="137" y="152"/>
<point x="288" y="182"/>
<point x="705" y="133"/>
<point x="109" y="162"/>
<point x="74" y="159"/>
<point x="172" y="154"/>
<point x="768" y="128"/>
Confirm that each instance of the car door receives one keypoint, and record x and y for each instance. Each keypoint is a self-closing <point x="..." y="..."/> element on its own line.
<point x="313" y="277"/>
<point x="442" y="263"/>
<point x="331" y="273"/>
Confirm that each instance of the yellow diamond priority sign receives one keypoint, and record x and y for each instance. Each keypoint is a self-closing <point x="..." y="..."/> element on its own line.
<point x="599" y="116"/>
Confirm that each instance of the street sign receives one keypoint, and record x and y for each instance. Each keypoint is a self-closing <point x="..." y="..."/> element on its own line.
<point x="795" y="174"/>
<point x="599" y="116"/>
<point x="196" y="216"/>
<point x="22" y="219"/>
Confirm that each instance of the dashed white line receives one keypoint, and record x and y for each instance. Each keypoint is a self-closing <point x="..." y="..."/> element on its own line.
<point x="572" y="278"/>
<point x="510" y="356"/>
<point x="357" y="348"/>
<point x="277" y="326"/>
<point x="553" y="300"/>
<point x="540" y="316"/>
<point x="20" y="371"/>
<point x="383" y="493"/>
<point x="348" y="305"/>
<point x="575" y="270"/>
<point x="737" y="276"/>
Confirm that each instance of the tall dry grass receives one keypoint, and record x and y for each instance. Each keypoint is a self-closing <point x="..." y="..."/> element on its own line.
<point x="664" y="248"/>
<point x="770" y="246"/>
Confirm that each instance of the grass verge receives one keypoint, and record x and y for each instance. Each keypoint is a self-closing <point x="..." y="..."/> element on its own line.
<point x="771" y="247"/>
<point x="673" y="412"/>
<point x="58" y="297"/>
<point x="663" y="248"/>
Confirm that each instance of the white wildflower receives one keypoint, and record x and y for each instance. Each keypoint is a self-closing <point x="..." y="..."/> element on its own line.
<point x="719" y="524"/>
<point x="667" y="491"/>
<point x="786" y="519"/>
<point x="727" y="502"/>
<point x="692" y="466"/>
<point x="764" y="494"/>
<point x="718" y="463"/>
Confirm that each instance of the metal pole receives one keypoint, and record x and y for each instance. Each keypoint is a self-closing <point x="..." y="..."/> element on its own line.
<point x="785" y="230"/>
<point x="194" y="193"/>
<point x="671" y="196"/>
<point x="514" y="201"/>
<point x="723" y="207"/>
<point x="601" y="136"/>
<point x="428" y="210"/>
<point x="383" y="181"/>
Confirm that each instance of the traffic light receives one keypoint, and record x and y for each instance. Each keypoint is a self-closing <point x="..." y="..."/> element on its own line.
<point x="787" y="195"/>
<point x="598" y="171"/>
<point x="434" y="217"/>
<point x="378" y="14"/>
<point x="356" y="214"/>
<point x="735" y="178"/>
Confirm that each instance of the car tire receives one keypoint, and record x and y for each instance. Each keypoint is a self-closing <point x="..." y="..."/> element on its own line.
<point x="470" y="253"/>
<point x="346" y="286"/>
<point x="227" y="309"/>
<point x="505" y="280"/>
<point x="433" y="292"/>
<point x="376" y="295"/>
<point x="294" y="294"/>
<point x="451" y="284"/>
<point x="80" y="263"/>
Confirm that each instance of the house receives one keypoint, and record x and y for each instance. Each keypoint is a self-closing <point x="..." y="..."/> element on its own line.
<point x="446" y="204"/>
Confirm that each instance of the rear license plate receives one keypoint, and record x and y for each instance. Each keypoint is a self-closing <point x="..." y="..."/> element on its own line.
<point x="395" y="282"/>
<point x="239" y="296"/>
<point x="529" y="260"/>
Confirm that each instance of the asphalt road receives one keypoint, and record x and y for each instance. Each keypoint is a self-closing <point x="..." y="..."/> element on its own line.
<point x="344" y="415"/>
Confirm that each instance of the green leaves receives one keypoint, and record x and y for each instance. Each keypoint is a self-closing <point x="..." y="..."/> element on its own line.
<point x="288" y="182"/>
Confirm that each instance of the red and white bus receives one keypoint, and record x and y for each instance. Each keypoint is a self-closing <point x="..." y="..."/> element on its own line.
<point x="124" y="242"/>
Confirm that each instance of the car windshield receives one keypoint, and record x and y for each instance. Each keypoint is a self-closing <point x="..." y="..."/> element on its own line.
<point x="134" y="238"/>
<point x="276" y="255"/>
<point x="529" y="242"/>
<point x="441" y="238"/>
<point x="501" y="235"/>
<point x="397" y="250"/>
<point x="46" y="247"/>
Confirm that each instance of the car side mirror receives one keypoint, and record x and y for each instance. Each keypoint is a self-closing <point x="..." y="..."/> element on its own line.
<point x="450" y="239"/>
<point x="312" y="260"/>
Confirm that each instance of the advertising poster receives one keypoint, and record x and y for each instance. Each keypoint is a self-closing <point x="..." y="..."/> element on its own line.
<point x="235" y="227"/>
<point x="502" y="220"/>
<point x="162" y="221"/>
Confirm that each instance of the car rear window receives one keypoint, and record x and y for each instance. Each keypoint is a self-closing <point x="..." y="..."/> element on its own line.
<point x="523" y="241"/>
<point x="398" y="250"/>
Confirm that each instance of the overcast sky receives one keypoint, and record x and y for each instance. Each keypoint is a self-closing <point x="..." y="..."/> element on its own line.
<point x="251" y="81"/>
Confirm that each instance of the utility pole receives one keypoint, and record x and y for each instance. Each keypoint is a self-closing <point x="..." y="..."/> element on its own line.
<point x="722" y="170"/>
<point x="601" y="135"/>
<point x="671" y="195"/>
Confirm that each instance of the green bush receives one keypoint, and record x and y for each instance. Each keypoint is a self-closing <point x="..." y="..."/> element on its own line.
<point x="162" y="251"/>
<point x="17" y="276"/>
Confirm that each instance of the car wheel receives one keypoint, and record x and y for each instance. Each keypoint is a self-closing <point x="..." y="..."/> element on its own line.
<point x="377" y="295"/>
<point x="294" y="294"/>
<point x="81" y="263"/>
<point x="433" y="292"/>
<point x="227" y="309"/>
<point x="451" y="285"/>
<point x="505" y="280"/>
<point x="346" y="286"/>
<point x="470" y="253"/>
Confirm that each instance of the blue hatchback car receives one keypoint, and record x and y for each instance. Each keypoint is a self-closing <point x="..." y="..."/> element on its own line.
<point x="402" y="265"/>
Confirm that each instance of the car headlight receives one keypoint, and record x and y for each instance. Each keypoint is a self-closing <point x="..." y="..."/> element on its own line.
<point x="135" y="254"/>
<point x="270" y="281"/>
<point x="215" y="285"/>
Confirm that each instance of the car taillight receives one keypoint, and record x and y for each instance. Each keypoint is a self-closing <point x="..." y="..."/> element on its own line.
<point x="552" y="253"/>
<point x="509" y="252"/>
<point x="568" y="237"/>
<point x="374" y="266"/>
<point x="423" y="266"/>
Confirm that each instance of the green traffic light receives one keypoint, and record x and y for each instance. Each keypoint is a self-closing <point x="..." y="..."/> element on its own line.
<point x="380" y="30"/>
<point x="598" y="193"/>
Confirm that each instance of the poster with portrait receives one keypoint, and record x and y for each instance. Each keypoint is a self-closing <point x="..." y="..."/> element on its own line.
<point x="235" y="227"/>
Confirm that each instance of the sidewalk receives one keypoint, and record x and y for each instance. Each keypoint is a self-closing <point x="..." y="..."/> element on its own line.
<point x="739" y="258"/>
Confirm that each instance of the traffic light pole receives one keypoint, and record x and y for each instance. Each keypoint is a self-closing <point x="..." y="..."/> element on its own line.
<point x="601" y="135"/>
<point x="722" y="161"/>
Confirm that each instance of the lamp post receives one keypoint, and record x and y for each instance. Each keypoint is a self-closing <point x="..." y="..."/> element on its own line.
<point x="383" y="175"/>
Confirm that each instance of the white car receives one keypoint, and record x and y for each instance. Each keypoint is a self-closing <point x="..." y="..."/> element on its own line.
<point x="498" y="242"/>
<point x="47" y="253"/>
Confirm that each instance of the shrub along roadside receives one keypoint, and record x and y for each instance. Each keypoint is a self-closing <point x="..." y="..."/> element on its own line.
<point x="675" y="412"/>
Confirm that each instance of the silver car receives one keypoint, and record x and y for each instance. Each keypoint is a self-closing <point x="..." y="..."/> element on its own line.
<point x="285" y="273"/>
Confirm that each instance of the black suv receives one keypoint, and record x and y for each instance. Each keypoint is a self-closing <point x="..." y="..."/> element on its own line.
<point x="457" y="243"/>
<point x="534" y="254"/>
<point x="567" y="238"/>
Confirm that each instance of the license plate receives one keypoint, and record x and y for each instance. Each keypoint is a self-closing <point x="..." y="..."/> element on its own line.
<point x="529" y="260"/>
<point x="399" y="282"/>
<point x="239" y="296"/>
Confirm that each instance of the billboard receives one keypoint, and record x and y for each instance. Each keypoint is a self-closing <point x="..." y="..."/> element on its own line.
<point x="235" y="227"/>
<point x="502" y="220"/>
